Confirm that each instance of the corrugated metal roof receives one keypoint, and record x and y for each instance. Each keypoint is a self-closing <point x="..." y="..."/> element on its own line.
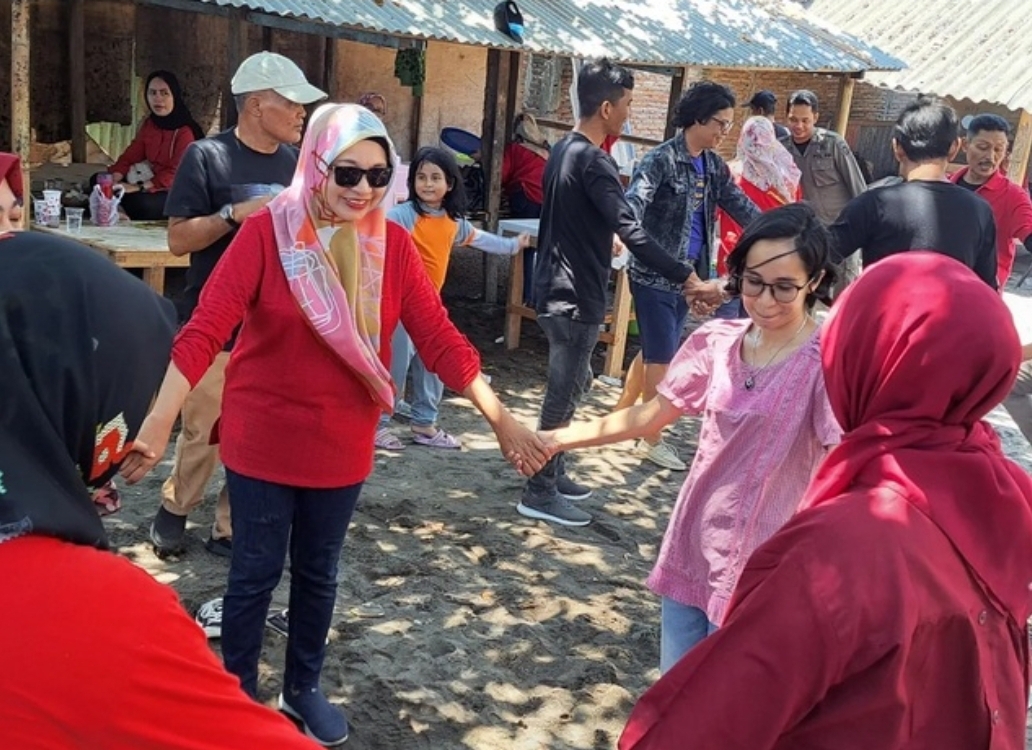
<point x="968" y="49"/>
<point x="709" y="33"/>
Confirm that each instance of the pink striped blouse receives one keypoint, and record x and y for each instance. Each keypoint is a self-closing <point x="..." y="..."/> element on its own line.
<point x="757" y="451"/>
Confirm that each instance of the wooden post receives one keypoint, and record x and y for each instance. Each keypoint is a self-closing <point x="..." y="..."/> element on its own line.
<point x="77" y="77"/>
<point x="266" y="38"/>
<point x="416" y="121"/>
<point x="329" y="71"/>
<point x="845" y="103"/>
<point x="676" y="89"/>
<point x="492" y="146"/>
<point x="1022" y="148"/>
<point x="21" y="114"/>
<point x="236" y="51"/>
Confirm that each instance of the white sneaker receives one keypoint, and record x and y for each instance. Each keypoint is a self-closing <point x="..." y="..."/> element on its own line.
<point x="661" y="454"/>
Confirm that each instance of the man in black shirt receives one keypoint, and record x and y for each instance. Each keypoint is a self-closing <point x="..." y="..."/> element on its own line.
<point x="926" y="211"/>
<point x="584" y="206"/>
<point x="220" y="182"/>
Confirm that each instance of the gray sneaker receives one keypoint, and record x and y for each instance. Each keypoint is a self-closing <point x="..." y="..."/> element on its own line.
<point x="556" y="509"/>
<point x="570" y="489"/>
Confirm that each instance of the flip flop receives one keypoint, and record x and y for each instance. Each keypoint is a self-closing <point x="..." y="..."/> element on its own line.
<point x="439" y="439"/>
<point x="387" y="440"/>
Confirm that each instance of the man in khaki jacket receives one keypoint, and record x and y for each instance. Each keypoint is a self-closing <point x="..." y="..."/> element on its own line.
<point x="830" y="175"/>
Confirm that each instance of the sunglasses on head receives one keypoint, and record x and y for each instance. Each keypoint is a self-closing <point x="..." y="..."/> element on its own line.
<point x="377" y="177"/>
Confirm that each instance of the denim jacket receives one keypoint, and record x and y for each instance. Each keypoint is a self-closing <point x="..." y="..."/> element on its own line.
<point x="660" y="195"/>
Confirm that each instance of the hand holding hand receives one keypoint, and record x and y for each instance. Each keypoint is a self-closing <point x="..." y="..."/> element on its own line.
<point x="521" y="447"/>
<point x="147" y="449"/>
<point x="550" y="442"/>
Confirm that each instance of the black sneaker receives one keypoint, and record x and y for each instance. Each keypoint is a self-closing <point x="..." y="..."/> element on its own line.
<point x="570" y="489"/>
<point x="222" y="547"/>
<point x="320" y="720"/>
<point x="168" y="533"/>
<point x="209" y="617"/>
<point x="556" y="509"/>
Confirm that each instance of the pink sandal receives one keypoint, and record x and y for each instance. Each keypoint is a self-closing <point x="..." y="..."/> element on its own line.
<point x="387" y="440"/>
<point x="107" y="500"/>
<point x="439" y="439"/>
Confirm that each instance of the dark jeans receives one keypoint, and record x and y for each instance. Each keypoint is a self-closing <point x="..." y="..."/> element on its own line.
<point x="145" y="206"/>
<point x="570" y="344"/>
<point x="267" y="519"/>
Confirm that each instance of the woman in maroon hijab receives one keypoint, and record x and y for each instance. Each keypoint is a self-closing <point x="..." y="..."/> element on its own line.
<point x="891" y="611"/>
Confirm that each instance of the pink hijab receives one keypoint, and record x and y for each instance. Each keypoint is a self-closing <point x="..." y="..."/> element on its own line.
<point x="765" y="162"/>
<point x="335" y="268"/>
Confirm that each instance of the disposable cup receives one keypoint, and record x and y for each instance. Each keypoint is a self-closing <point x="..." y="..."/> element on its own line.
<point x="53" y="200"/>
<point x="39" y="211"/>
<point x="73" y="220"/>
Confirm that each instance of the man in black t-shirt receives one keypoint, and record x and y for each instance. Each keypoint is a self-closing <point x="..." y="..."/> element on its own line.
<point x="926" y="211"/>
<point x="583" y="207"/>
<point x="220" y="182"/>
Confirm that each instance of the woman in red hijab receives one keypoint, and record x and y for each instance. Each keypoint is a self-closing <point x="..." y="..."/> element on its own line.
<point x="12" y="195"/>
<point x="891" y="611"/>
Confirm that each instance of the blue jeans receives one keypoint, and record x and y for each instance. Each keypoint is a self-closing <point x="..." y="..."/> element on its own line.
<point x="570" y="344"/>
<point x="681" y="629"/>
<point x="661" y="316"/>
<point x="427" y="388"/>
<point x="274" y="519"/>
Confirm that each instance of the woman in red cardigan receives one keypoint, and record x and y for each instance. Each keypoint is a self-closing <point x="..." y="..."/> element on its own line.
<point x="320" y="280"/>
<point x="156" y="150"/>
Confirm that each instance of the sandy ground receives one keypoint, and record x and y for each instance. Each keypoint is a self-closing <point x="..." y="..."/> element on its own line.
<point x="497" y="631"/>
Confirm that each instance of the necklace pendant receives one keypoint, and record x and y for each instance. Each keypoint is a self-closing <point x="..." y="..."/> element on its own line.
<point x="750" y="383"/>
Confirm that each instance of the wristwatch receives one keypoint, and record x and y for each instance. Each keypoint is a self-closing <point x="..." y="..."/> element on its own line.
<point x="226" y="213"/>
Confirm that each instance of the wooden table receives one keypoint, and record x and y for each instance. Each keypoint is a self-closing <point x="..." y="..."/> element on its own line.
<point x="615" y="335"/>
<point x="131" y="245"/>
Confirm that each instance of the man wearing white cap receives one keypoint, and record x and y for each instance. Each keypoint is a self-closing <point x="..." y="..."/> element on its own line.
<point x="220" y="182"/>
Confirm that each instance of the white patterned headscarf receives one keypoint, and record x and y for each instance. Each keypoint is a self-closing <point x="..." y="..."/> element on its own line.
<point x="765" y="162"/>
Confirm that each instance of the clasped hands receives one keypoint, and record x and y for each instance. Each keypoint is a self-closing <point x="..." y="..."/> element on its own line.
<point x="703" y="296"/>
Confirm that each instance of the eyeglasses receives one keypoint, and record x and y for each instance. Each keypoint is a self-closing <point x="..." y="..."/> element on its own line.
<point x="782" y="291"/>
<point x="725" y="125"/>
<point x="349" y="177"/>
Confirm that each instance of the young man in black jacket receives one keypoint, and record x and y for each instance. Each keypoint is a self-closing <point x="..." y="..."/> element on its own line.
<point x="584" y="206"/>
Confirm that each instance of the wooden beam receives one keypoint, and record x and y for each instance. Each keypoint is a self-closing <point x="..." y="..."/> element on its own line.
<point x="77" y="77"/>
<point x="21" y="114"/>
<point x="512" y="94"/>
<point x="267" y="32"/>
<point x="329" y="68"/>
<point x="236" y="51"/>
<point x="492" y="148"/>
<point x="845" y="103"/>
<point x="1022" y="149"/>
<point x="676" y="89"/>
<point x="544" y="122"/>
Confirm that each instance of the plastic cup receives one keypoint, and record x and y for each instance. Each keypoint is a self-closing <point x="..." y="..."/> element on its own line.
<point x="53" y="200"/>
<point x="39" y="211"/>
<point x="73" y="220"/>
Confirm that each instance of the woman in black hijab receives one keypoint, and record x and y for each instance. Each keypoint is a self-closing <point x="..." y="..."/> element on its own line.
<point x="149" y="165"/>
<point x="97" y="653"/>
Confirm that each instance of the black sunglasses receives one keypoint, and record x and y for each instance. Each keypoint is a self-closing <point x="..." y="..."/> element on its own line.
<point x="377" y="177"/>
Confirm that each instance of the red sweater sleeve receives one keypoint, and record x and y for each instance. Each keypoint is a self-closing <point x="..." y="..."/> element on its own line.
<point x="166" y="173"/>
<point x="136" y="152"/>
<point x="444" y="350"/>
<point x="231" y="289"/>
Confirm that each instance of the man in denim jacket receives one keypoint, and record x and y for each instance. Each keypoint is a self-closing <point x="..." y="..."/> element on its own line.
<point x="675" y="193"/>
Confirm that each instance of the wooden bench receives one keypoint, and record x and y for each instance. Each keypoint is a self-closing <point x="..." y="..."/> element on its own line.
<point x="615" y="335"/>
<point x="134" y="245"/>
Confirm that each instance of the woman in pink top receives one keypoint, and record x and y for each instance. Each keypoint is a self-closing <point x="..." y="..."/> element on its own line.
<point x="767" y="423"/>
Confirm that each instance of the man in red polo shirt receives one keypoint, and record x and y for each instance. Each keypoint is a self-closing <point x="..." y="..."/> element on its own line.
<point x="986" y="148"/>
